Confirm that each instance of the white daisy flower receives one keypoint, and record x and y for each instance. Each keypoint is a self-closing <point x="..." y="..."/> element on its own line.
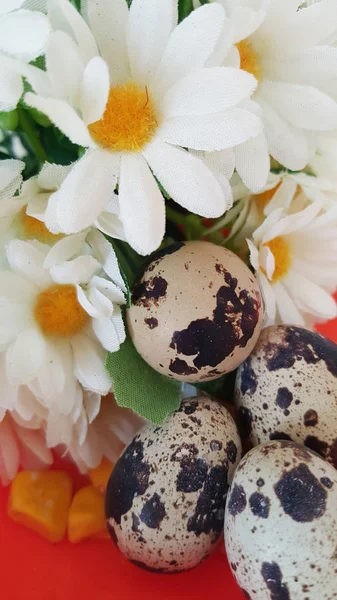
<point x="22" y="445"/>
<point x="294" y="254"/>
<point x="22" y="215"/>
<point x="60" y="313"/>
<point x="22" y="204"/>
<point x="23" y="35"/>
<point x="132" y="88"/>
<point x="286" y="48"/>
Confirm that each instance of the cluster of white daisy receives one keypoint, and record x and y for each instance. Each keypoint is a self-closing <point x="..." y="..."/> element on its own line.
<point x="231" y="113"/>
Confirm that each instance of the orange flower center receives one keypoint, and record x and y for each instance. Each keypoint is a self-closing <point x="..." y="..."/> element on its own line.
<point x="249" y="59"/>
<point x="58" y="312"/>
<point x="35" y="229"/>
<point x="129" y="120"/>
<point x="282" y="255"/>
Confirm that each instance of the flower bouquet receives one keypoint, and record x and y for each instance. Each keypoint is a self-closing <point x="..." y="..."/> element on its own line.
<point x="168" y="219"/>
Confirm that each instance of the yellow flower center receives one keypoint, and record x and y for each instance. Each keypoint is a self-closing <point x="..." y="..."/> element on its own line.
<point x="129" y="120"/>
<point x="35" y="229"/>
<point x="249" y="59"/>
<point x="58" y="312"/>
<point x="282" y="255"/>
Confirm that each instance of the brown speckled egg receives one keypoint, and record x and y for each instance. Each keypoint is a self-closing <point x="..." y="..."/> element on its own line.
<point x="166" y="495"/>
<point x="196" y="313"/>
<point x="281" y="524"/>
<point x="287" y="389"/>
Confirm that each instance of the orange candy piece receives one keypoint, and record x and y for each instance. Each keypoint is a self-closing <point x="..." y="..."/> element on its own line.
<point x="86" y="515"/>
<point x="99" y="477"/>
<point x="41" y="500"/>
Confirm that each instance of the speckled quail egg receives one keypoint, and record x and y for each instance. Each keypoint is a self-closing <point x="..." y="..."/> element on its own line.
<point x="196" y="312"/>
<point x="281" y="524"/>
<point x="166" y="495"/>
<point x="287" y="389"/>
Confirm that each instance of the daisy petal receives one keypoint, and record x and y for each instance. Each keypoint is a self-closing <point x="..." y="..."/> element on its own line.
<point x="218" y="131"/>
<point x="25" y="258"/>
<point x="92" y="405"/>
<point x="11" y="88"/>
<point x="190" y="45"/>
<point x="79" y="270"/>
<point x="108" y="23"/>
<point x="23" y="34"/>
<point x="311" y="297"/>
<point x="286" y="307"/>
<point x="64" y="249"/>
<point x="9" y="453"/>
<point x="268" y="296"/>
<point x="110" y="332"/>
<point x="51" y="377"/>
<point x="149" y="28"/>
<point x="64" y="66"/>
<point x="208" y="91"/>
<point x="303" y="106"/>
<point x="9" y="5"/>
<point x="63" y="116"/>
<point x="246" y="21"/>
<point x="108" y="289"/>
<point x="82" y="297"/>
<point x="106" y="256"/>
<point x="142" y="207"/>
<point x="287" y="144"/>
<point x="310" y="26"/>
<point x="292" y="223"/>
<point x="253" y="163"/>
<point x="95" y="90"/>
<point x="22" y="366"/>
<point x="267" y="261"/>
<point x="186" y="178"/>
<point x="222" y="162"/>
<point x="10" y="171"/>
<point x="100" y="301"/>
<point x="253" y="255"/>
<point x="85" y="192"/>
<point x="35" y="442"/>
<point x="64" y="16"/>
<point x="282" y="197"/>
<point x="14" y="318"/>
<point x="51" y="176"/>
<point x="223" y="47"/>
<point x="111" y="225"/>
<point x="89" y="368"/>
<point x="14" y="287"/>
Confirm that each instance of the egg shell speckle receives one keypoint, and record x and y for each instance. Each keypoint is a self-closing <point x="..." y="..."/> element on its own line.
<point x="281" y="524"/>
<point x="196" y="312"/>
<point x="166" y="495"/>
<point x="287" y="389"/>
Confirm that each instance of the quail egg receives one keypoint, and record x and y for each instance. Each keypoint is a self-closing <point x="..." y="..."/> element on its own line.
<point x="166" y="495"/>
<point x="196" y="313"/>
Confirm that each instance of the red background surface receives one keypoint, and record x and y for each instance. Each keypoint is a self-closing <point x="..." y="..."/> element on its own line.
<point x="32" y="568"/>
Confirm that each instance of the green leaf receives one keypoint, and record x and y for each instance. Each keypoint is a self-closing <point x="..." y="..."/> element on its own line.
<point x="185" y="8"/>
<point x="9" y="120"/>
<point x="39" y="117"/>
<point x="204" y="1"/>
<point x="58" y="147"/>
<point x="137" y="386"/>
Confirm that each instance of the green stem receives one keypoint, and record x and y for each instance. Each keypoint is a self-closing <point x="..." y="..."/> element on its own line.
<point x="185" y="8"/>
<point x="175" y="216"/>
<point x="26" y="124"/>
